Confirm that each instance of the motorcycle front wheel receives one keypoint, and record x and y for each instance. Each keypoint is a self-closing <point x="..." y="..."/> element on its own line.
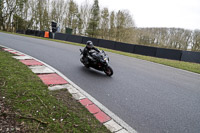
<point x="86" y="65"/>
<point x="108" y="71"/>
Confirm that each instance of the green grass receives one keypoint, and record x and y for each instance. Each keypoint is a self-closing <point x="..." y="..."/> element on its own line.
<point x="192" y="67"/>
<point x="40" y="109"/>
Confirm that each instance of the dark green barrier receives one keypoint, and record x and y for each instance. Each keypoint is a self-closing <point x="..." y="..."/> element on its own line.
<point x="94" y="40"/>
<point x="61" y="36"/>
<point x="137" y="49"/>
<point x="169" y="54"/>
<point x="106" y="44"/>
<point x="190" y="56"/>
<point x="145" y="50"/>
<point x="74" y="38"/>
<point x="124" y="47"/>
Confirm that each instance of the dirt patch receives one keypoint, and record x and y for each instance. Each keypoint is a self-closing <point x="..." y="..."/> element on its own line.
<point x="8" y="118"/>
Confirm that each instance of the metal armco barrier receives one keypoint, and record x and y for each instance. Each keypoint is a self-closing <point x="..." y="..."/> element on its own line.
<point x="180" y="55"/>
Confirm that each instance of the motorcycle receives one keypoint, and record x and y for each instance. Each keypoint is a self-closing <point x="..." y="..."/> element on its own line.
<point x="97" y="60"/>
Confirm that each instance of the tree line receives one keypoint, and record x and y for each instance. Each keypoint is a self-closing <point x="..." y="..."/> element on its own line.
<point x="93" y="21"/>
<point x="174" y="38"/>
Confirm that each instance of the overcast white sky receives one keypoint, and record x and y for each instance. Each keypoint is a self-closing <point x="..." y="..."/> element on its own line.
<point x="158" y="13"/>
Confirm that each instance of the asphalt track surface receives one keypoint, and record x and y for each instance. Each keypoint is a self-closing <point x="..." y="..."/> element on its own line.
<point x="150" y="97"/>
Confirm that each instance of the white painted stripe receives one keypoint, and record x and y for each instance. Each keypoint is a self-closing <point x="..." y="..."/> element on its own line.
<point x="58" y="87"/>
<point x="112" y="126"/>
<point x="22" y="57"/>
<point x="78" y="96"/>
<point x="41" y="69"/>
<point x="72" y="90"/>
<point x="122" y="131"/>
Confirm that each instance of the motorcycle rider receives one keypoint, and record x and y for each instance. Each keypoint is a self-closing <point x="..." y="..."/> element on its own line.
<point x="87" y="49"/>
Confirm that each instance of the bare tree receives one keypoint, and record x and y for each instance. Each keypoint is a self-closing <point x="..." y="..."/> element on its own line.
<point x="73" y="16"/>
<point x="58" y="12"/>
<point x="86" y="19"/>
<point x="112" y="31"/>
<point x="124" y="26"/>
<point x="10" y="6"/>
<point x="196" y="41"/>
<point x="104" y="23"/>
<point x="85" y="13"/>
<point x="93" y="25"/>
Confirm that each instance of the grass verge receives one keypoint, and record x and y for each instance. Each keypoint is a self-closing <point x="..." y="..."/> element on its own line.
<point x="39" y="109"/>
<point x="192" y="67"/>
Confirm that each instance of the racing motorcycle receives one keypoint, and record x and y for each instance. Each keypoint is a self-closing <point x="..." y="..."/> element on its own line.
<point x="97" y="60"/>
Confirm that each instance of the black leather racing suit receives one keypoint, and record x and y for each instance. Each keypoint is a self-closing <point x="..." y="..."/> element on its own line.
<point x="86" y="52"/>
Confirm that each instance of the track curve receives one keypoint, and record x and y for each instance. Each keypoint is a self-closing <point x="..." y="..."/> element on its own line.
<point x="150" y="97"/>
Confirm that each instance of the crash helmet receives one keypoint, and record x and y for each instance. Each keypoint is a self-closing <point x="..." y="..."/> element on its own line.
<point x="89" y="44"/>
